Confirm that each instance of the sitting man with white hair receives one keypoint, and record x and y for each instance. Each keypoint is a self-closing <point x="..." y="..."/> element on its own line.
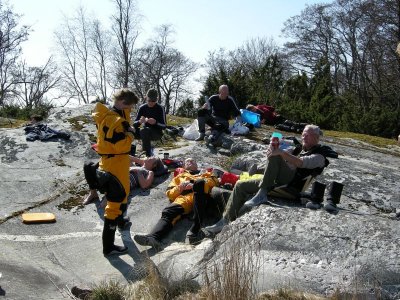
<point x="281" y="169"/>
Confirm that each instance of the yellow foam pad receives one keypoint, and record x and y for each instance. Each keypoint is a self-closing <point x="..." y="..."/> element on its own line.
<point x="38" y="218"/>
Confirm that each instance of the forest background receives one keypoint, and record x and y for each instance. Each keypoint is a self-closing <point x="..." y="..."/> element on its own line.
<point x="338" y="68"/>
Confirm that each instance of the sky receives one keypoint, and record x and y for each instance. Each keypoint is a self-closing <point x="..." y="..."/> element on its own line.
<point x="200" y="25"/>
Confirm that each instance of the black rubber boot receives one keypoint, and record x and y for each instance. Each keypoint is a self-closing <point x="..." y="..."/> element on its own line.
<point x="108" y="238"/>
<point x="317" y="192"/>
<point x="317" y="195"/>
<point x="334" y="194"/>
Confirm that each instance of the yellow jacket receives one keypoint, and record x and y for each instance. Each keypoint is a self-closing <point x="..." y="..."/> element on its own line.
<point x="186" y="201"/>
<point x="112" y="137"/>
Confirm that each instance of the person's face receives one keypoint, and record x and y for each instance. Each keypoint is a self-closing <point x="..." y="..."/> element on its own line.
<point x="224" y="92"/>
<point x="190" y="164"/>
<point x="150" y="102"/>
<point x="309" y="138"/>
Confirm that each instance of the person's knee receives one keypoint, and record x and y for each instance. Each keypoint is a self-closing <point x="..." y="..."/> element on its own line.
<point x="275" y="159"/>
<point x="172" y="211"/>
<point x="198" y="186"/>
<point x="203" y="112"/>
<point x="144" y="132"/>
<point x="115" y="191"/>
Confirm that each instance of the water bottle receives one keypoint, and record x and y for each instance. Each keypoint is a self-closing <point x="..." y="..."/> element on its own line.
<point x="275" y="138"/>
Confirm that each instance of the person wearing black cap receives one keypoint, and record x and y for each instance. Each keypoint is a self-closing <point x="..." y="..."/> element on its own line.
<point x="150" y="121"/>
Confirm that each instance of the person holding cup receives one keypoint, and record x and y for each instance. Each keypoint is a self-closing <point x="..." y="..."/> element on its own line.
<point x="281" y="169"/>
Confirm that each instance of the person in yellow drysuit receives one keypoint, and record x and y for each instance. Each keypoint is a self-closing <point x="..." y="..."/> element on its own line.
<point x="114" y="139"/>
<point x="187" y="191"/>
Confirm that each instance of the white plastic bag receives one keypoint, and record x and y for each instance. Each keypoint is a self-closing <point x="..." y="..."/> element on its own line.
<point x="239" y="129"/>
<point x="192" y="132"/>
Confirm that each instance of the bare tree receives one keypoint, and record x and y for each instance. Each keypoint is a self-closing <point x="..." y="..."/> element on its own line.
<point x="11" y="37"/>
<point x="126" y="28"/>
<point x="164" y="68"/>
<point x="34" y="83"/>
<point x="73" y="40"/>
<point x="359" y="40"/>
<point x="101" y="56"/>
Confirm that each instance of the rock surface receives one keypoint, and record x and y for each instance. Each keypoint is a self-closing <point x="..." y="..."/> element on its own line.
<point x="355" y="250"/>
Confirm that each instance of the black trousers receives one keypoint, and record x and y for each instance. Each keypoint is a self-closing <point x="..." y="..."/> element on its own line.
<point x="174" y="212"/>
<point x="217" y="124"/>
<point x="148" y="134"/>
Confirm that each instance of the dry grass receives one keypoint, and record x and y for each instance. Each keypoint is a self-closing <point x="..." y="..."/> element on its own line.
<point x="373" y="140"/>
<point x="234" y="276"/>
<point x="12" y="123"/>
<point x="178" y="121"/>
<point x="288" y="294"/>
<point x="111" y="290"/>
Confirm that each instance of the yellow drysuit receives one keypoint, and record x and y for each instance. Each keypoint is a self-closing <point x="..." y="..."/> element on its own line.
<point x="114" y="145"/>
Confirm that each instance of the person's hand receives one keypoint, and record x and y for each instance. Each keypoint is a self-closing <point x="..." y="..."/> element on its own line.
<point x="205" y="106"/>
<point x="184" y="186"/>
<point x="272" y="151"/>
<point x="151" y="121"/>
<point x="142" y="120"/>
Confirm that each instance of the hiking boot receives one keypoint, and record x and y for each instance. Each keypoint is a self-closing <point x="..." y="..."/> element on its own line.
<point x="217" y="227"/>
<point x="146" y="240"/>
<point x="330" y="206"/>
<point x="191" y="234"/>
<point x="259" y="198"/>
<point x="313" y="205"/>
<point x="116" y="250"/>
<point x="201" y="137"/>
<point x="194" y="237"/>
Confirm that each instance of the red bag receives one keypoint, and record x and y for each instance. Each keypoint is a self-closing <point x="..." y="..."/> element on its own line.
<point x="229" y="178"/>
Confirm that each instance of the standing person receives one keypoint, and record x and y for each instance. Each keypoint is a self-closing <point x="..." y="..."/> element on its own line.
<point x="114" y="139"/>
<point x="222" y="107"/>
<point x="152" y="116"/>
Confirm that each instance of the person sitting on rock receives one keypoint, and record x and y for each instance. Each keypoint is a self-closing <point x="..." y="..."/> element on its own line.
<point x="187" y="191"/>
<point x="152" y="116"/>
<point x="222" y="106"/>
<point x="281" y="169"/>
